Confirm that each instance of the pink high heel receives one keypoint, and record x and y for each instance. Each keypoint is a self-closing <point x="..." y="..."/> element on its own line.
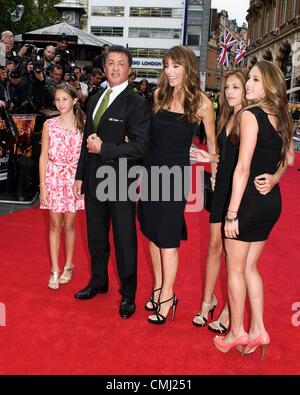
<point x="225" y="347"/>
<point x="260" y="341"/>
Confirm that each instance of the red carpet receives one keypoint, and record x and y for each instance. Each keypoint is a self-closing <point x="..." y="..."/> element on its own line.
<point x="49" y="332"/>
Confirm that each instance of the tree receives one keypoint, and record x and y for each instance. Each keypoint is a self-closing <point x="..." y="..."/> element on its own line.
<point x="37" y="14"/>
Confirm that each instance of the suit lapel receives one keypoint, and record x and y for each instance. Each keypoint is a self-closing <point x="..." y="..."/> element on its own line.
<point x="94" y="100"/>
<point x="117" y="103"/>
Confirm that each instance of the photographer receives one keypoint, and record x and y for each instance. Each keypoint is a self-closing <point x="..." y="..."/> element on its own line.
<point x="81" y="87"/>
<point x="48" y="58"/>
<point x="56" y="75"/>
<point x="94" y="83"/>
<point x="7" y="38"/>
<point x="66" y="59"/>
<point x="35" y="85"/>
<point x="16" y="92"/>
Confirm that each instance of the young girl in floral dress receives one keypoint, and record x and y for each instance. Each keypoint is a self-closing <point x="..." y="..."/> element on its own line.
<point x="61" y="144"/>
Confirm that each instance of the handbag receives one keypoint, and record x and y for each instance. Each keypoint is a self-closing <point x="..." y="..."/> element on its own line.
<point x="207" y="190"/>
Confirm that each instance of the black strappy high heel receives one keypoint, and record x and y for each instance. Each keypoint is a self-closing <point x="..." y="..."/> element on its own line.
<point x="161" y="319"/>
<point x="152" y="301"/>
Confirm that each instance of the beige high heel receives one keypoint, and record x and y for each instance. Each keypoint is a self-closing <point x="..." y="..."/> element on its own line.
<point x="53" y="282"/>
<point x="199" y="319"/>
<point x="67" y="274"/>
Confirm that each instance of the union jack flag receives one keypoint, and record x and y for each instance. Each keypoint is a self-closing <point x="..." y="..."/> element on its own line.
<point x="240" y="52"/>
<point x="227" y="41"/>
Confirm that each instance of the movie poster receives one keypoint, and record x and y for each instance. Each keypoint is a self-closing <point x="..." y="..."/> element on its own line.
<point x="23" y="146"/>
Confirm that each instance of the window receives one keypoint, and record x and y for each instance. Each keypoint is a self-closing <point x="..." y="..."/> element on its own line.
<point x="154" y="32"/>
<point x="283" y="12"/>
<point x="193" y="40"/>
<point x="145" y="73"/>
<point x="107" y="31"/>
<point x="148" y="52"/>
<point x="107" y="11"/>
<point x="156" y="12"/>
<point x="195" y="17"/>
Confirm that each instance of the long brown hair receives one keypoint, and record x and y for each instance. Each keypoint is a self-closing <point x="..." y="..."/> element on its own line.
<point x="79" y="114"/>
<point x="275" y="101"/>
<point x="227" y="111"/>
<point x="192" y="94"/>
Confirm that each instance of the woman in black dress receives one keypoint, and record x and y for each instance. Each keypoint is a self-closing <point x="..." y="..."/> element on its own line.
<point x="180" y="106"/>
<point x="265" y="135"/>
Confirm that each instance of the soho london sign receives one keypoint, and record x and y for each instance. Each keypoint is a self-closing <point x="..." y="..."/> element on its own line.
<point x="147" y="63"/>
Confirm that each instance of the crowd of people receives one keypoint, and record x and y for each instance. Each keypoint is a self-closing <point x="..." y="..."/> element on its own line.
<point x="29" y="76"/>
<point x="248" y="153"/>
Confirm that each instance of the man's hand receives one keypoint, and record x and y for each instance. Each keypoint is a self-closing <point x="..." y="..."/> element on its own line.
<point x="75" y="84"/>
<point x="77" y="189"/>
<point x="94" y="144"/>
<point x="23" y="51"/>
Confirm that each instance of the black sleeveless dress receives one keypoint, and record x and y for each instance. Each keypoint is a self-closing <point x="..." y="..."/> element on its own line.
<point x="161" y="217"/>
<point x="228" y="155"/>
<point x="259" y="213"/>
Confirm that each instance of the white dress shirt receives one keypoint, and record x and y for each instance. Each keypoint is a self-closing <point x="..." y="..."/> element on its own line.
<point x="116" y="90"/>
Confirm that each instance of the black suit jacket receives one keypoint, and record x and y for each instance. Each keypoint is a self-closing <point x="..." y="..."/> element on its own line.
<point x="128" y="115"/>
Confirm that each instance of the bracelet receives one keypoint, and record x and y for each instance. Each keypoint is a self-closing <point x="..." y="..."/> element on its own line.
<point x="231" y="211"/>
<point x="231" y="220"/>
<point x="42" y="184"/>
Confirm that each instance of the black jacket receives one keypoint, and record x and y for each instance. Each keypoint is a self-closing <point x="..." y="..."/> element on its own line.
<point x="128" y="115"/>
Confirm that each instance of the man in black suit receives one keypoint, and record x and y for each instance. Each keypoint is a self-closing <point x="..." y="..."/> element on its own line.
<point x="122" y="132"/>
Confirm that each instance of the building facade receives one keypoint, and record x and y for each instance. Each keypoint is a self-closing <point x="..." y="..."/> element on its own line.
<point x="150" y="29"/>
<point x="218" y="22"/>
<point x="274" y="34"/>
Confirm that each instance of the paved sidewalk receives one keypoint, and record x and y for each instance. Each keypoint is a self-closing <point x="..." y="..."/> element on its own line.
<point x="9" y="208"/>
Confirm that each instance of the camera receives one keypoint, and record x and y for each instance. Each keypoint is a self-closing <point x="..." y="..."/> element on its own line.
<point x="14" y="74"/>
<point x="37" y="67"/>
<point x="13" y="56"/>
<point x="37" y="64"/>
<point x="30" y="48"/>
<point x="70" y="77"/>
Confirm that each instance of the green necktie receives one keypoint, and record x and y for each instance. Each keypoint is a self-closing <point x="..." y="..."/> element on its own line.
<point x="101" y="109"/>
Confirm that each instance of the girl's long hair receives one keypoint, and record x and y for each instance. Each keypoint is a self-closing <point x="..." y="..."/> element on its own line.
<point x="227" y="111"/>
<point x="79" y="114"/>
<point x="191" y="92"/>
<point x="275" y="102"/>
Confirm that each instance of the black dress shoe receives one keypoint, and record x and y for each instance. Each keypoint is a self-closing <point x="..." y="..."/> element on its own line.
<point x="127" y="307"/>
<point x="89" y="292"/>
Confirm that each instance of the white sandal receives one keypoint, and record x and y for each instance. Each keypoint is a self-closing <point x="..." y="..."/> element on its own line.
<point x="199" y="319"/>
<point x="54" y="280"/>
<point x="67" y="274"/>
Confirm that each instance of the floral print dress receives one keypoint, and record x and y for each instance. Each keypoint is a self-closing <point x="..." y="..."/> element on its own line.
<point x="64" y="152"/>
